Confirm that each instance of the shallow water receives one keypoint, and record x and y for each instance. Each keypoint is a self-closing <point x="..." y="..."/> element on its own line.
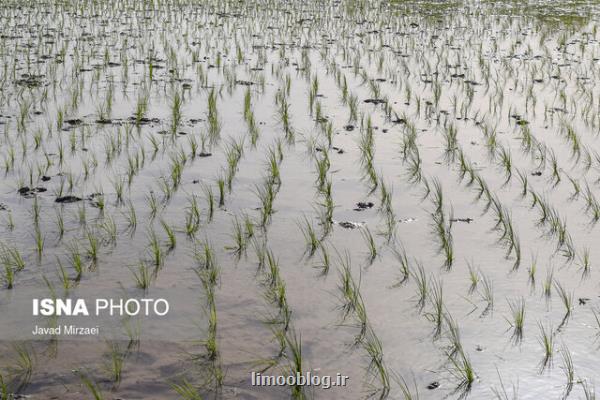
<point x="480" y="67"/>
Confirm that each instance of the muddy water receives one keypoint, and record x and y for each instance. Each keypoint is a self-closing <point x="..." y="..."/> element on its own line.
<point x="492" y="63"/>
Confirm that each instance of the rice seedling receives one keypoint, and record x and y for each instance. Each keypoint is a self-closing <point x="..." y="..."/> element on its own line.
<point x="214" y="123"/>
<point x="547" y="284"/>
<point x="4" y="391"/>
<point x="11" y="256"/>
<point x="404" y="266"/>
<point x="239" y="238"/>
<point x="172" y="239"/>
<point x="187" y="391"/>
<point x="260" y="249"/>
<point x="371" y="245"/>
<point x="310" y="236"/>
<point x="437" y="304"/>
<point x="40" y="241"/>
<point x="589" y="390"/>
<point x="487" y="294"/>
<point x="266" y="195"/>
<point x="221" y="185"/>
<point x="143" y="276"/>
<point x="584" y="261"/>
<point x="568" y="369"/>
<point x="325" y="261"/>
<point x="546" y="340"/>
<point x="131" y="216"/>
<point x="462" y="370"/>
<point x="351" y="298"/>
<point x="210" y="343"/>
<point x="566" y="298"/>
<point x="93" y="245"/>
<point x="90" y="385"/>
<point x="153" y="204"/>
<point x="21" y="369"/>
<point x="377" y="366"/>
<point x="115" y="364"/>
<point x="474" y="277"/>
<point x="210" y="200"/>
<point x="156" y="253"/>
<point x="517" y="310"/>
<point x="405" y="390"/>
<point x="450" y="140"/>
<point x="296" y="361"/>
<point x="109" y="227"/>
<point x="205" y="256"/>
<point x="502" y="392"/>
<point x="418" y="274"/>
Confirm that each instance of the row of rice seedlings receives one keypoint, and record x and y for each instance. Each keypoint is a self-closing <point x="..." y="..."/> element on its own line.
<point x="115" y="363"/>
<point x="252" y="126"/>
<point x="460" y="364"/>
<point x="208" y="271"/>
<point x="20" y="370"/>
<point x="12" y="262"/>
<point x="367" y="155"/>
<point x="436" y="300"/>
<point x="389" y="216"/>
<point x="213" y="119"/>
<point x="353" y="305"/>
<point x="442" y="228"/>
<point x="290" y="342"/>
<point x="283" y="110"/>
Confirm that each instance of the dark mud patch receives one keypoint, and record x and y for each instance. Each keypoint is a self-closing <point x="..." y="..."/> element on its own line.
<point x="31" y="81"/>
<point x="375" y="101"/>
<point x="74" y="122"/>
<point x="145" y="121"/>
<point x="67" y="199"/>
<point x="349" y="224"/>
<point x="465" y="220"/>
<point x="244" y="83"/>
<point x="362" y="206"/>
<point x="28" y="192"/>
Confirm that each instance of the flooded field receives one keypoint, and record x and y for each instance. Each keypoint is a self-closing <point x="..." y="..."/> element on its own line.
<point x="402" y="193"/>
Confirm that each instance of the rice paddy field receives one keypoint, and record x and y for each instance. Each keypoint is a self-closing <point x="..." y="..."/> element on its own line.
<point x="402" y="192"/>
